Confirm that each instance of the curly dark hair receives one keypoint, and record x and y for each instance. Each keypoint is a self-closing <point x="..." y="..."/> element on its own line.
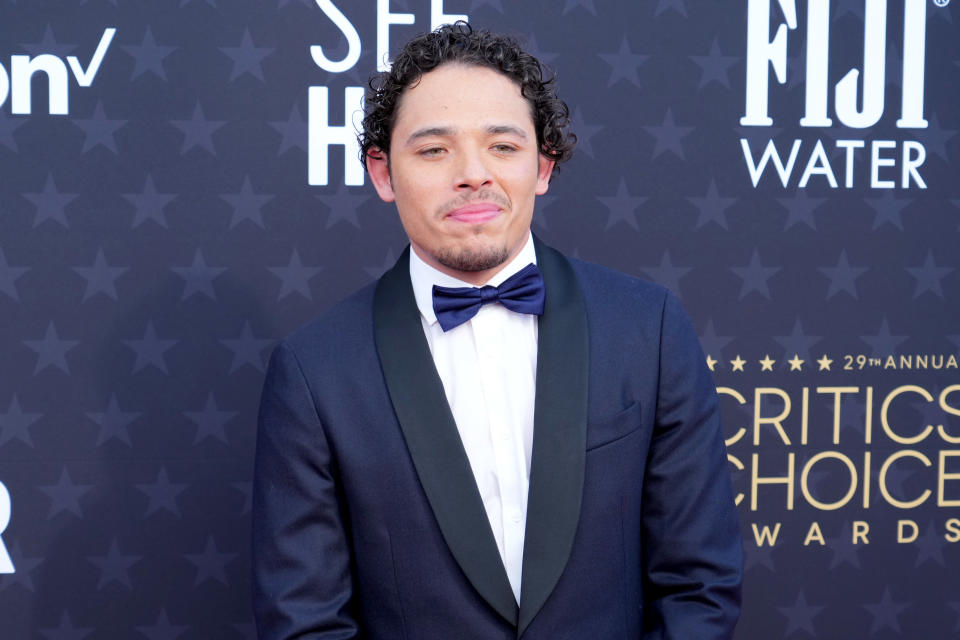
<point x="460" y="43"/>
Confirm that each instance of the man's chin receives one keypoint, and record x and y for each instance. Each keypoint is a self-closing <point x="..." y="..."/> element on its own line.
<point x="471" y="259"/>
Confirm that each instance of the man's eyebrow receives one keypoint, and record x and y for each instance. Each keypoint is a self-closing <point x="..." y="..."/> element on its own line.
<point x="493" y="130"/>
<point x="429" y="132"/>
<point x="499" y="129"/>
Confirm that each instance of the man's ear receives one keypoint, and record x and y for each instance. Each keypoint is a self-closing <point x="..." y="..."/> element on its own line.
<point x="544" y="171"/>
<point x="379" y="169"/>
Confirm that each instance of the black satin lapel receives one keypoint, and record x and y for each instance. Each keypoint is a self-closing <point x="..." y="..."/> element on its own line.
<point x="433" y="440"/>
<point x="559" y="434"/>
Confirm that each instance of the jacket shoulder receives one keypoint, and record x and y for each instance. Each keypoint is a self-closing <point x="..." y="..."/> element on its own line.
<point x="345" y="327"/>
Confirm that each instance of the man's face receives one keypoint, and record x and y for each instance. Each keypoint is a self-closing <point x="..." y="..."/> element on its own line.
<point x="464" y="168"/>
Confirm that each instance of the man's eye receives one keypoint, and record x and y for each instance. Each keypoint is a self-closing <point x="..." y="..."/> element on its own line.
<point x="431" y="152"/>
<point x="504" y="148"/>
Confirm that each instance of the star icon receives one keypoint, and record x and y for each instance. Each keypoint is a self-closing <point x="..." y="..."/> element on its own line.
<point x="210" y="421"/>
<point x="65" y="495"/>
<point x="623" y="64"/>
<point x="114" y="422"/>
<point x="800" y="208"/>
<point x="198" y="277"/>
<point x="585" y="132"/>
<point x="800" y="616"/>
<point x="930" y="547"/>
<point x="885" y="613"/>
<point x="669" y="136"/>
<point x="198" y="131"/>
<point x="884" y="343"/>
<point x="376" y="271"/>
<point x="14" y="423"/>
<point x="845" y="551"/>
<point x="712" y="343"/>
<point x="162" y="494"/>
<point x="888" y="208"/>
<point x="148" y="56"/>
<point x="767" y="363"/>
<point x="149" y="204"/>
<point x="162" y="629"/>
<point x="100" y="277"/>
<point x="755" y="276"/>
<point x="51" y="350"/>
<point x="711" y="362"/>
<point x="246" y="57"/>
<point x="934" y="137"/>
<point x="24" y="565"/>
<point x="666" y="273"/>
<point x="798" y="341"/>
<point x="210" y="563"/>
<point x="737" y="363"/>
<point x="50" y="203"/>
<point x="540" y="206"/>
<point x="8" y="126"/>
<point x="246" y="204"/>
<point x="99" y="130"/>
<point x="824" y="363"/>
<point x="796" y="364"/>
<point x="343" y="205"/>
<point x="843" y="277"/>
<point x="66" y="630"/>
<point x="114" y="566"/>
<point x="929" y="277"/>
<point x="295" y="277"/>
<point x="534" y="49"/>
<point x="150" y="350"/>
<point x="676" y="5"/>
<point x="714" y="66"/>
<point x="293" y="131"/>
<point x="48" y="45"/>
<point x="712" y="206"/>
<point x="586" y="4"/>
<point x="622" y="206"/>
<point x="9" y="276"/>
<point x="247" y="349"/>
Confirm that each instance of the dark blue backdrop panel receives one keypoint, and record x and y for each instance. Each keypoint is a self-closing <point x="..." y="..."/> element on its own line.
<point x="179" y="190"/>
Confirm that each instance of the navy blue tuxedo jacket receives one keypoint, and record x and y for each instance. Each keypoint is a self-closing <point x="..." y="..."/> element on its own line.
<point x="367" y="520"/>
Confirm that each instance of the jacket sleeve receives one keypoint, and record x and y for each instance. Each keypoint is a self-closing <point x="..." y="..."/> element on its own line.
<point x="692" y="549"/>
<point x="302" y="583"/>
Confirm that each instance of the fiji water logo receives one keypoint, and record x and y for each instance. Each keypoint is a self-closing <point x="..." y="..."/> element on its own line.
<point x="857" y="98"/>
<point x="16" y="82"/>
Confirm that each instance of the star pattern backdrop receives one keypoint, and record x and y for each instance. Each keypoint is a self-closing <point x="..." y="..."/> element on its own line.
<point x="158" y="238"/>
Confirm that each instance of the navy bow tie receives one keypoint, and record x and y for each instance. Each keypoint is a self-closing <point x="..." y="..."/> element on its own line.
<point x="522" y="292"/>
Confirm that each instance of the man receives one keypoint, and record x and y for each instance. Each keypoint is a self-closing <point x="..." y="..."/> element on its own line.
<point x="540" y="457"/>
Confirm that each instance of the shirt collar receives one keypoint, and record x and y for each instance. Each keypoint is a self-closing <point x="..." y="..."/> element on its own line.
<point x="423" y="277"/>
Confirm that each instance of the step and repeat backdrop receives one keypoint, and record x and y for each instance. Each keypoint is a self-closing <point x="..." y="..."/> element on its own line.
<point x="179" y="189"/>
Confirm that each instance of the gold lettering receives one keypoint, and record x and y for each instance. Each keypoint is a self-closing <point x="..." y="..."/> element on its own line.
<point x="756" y="480"/>
<point x="906" y="453"/>
<point x="860" y="531"/>
<point x="949" y="409"/>
<point x="739" y="465"/>
<point x="776" y="421"/>
<point x="886" y="406"/>
<point x="866" y="479"/>
<point x="837" y="392"/>
<point x="943" y="476"/>
<point x="828" y="506"/>
<point x="953" y="530"/>
<point x="765" y="536"/>
<point x="814" y="534"/>
<point x="901" y="524"/>
<point x="727" y="391"/>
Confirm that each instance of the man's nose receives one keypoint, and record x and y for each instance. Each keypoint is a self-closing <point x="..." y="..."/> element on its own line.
<point x="473" y="171"/>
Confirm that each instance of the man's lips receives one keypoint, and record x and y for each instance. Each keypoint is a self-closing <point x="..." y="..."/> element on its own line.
<point x="475" y="213"/>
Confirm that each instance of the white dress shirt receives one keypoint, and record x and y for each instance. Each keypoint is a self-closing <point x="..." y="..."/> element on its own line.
<point x="488" y="366"/>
